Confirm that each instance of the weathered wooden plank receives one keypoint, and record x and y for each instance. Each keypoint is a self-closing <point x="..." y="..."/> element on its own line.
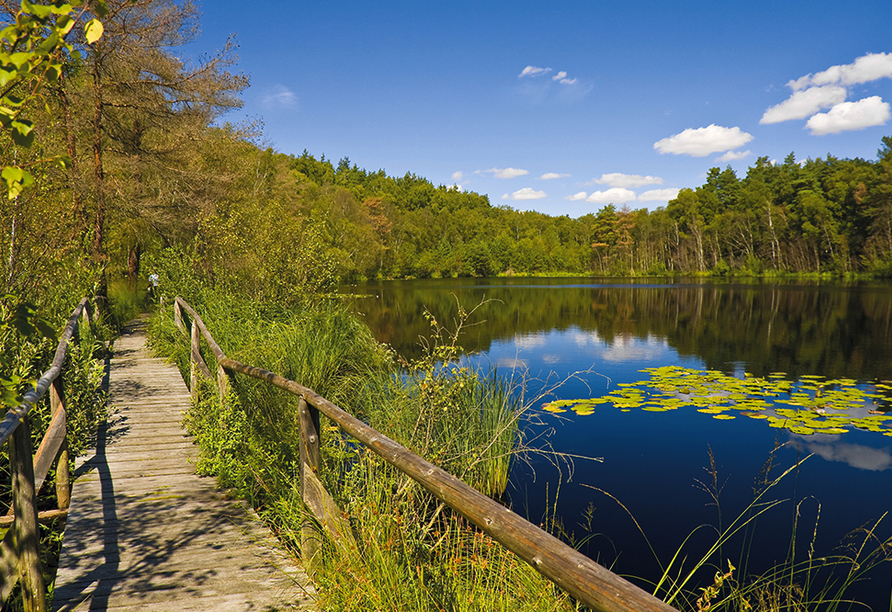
<point x="49" y="448"/>
<point x="145" y="532"/>
<point x="327" y="512"/>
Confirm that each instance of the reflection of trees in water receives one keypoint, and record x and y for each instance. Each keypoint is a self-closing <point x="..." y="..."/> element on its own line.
<point x="833" y="330"/>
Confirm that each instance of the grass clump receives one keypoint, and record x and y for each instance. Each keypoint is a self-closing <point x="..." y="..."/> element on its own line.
<point x="411" y="552"/>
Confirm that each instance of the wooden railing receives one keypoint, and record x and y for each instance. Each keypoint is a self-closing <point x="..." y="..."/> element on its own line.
<point x="19" y="555"/>
<point x="585" y="580"/>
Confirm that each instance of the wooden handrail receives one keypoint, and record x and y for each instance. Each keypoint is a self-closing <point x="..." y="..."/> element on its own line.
<point x="587" y="581"/>
<point x="19" y="555"/>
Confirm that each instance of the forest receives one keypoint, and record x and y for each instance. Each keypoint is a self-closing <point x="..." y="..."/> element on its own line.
<point x="131" y="159"/>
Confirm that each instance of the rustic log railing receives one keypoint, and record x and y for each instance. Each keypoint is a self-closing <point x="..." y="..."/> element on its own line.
<point x="585" y="580"/>
<point x="19" y="555"/>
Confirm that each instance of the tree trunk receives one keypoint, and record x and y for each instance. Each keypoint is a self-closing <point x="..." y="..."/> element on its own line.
<point x="99" y="255"/>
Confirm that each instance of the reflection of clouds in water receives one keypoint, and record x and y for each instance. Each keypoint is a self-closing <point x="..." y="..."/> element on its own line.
<point x="552" y="359"/>
<point x="582" y="338"/>
<point x="634" y="350"/>
<point x="621" y="348"/>
<point x="856" y="455"/>
<point x="527" y="341"/>
<point x="510" y="363"/>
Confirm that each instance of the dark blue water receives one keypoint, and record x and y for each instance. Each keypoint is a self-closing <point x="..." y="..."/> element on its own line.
<point x="661" y="477"/>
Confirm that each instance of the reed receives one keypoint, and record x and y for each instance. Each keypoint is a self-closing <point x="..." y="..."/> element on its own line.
<point x="413" y="553"/>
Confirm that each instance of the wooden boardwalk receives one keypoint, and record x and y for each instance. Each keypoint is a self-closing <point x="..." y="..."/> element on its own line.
<point x="144" y="532"/>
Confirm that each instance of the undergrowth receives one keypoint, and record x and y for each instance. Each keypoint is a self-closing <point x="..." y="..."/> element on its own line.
<point x="412" y="552"/>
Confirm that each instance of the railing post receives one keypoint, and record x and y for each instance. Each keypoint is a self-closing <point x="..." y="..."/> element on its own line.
<point x="178" y="315"/>
<point x="27" y="537"/>
<point x="194" y="356"/>
<point x="310" y="536"/>
<point x="222" y="382"/>
<point x="63" y="477"/>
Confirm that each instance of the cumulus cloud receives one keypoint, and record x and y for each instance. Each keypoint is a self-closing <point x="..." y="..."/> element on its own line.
<point x="577" y="196"/>
<point x="548" y="176"/>
<point x="870" y="67"/>
<point x="614" y="195"/>
<point x="457" y="176"/>
<point x="701" y="142"/>
<point x="560" y="75"/>
<point x="815" y="92"/>
<point x="732" y="155"/>
<point x="279" y="97"/>
<point x="850" y="116"/>
<point x="527" y="193"/>
<point x="504" y="173"/>
<point x="618" y="179"/>
<point x="659" y="195"/>
<point x="569" y="81"/>
<point x="533" y="71"/>
<point x="805" y="103"/>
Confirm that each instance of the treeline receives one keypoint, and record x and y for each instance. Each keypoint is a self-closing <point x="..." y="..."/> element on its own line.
<point x="823" y="215"/>
<point x="150" y="170"/>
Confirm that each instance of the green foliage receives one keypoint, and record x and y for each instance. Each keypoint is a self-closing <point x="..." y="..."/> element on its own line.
<point x="19" y="323"/>
<point x="33" y="53"/>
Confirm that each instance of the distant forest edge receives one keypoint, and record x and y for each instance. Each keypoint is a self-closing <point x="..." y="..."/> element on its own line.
<point x="152" y="172"/>
<point x="824" y="215"/>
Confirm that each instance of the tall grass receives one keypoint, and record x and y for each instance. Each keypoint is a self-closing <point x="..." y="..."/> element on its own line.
<point x="412" y="552"/>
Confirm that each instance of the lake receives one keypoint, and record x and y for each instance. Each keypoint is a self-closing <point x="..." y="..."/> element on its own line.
<point x="659" y="473"/>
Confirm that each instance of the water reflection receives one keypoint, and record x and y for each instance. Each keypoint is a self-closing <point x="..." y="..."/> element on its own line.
<point x="606" y="331"/>
<point x="800" y="329"/>
<point x="858" y="456"/>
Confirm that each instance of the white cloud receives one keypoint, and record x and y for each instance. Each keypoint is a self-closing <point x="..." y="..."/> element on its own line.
<point x="866" y="68"/>
<point x="577" y="196"/>
<point x="457" y="176"/>
<point x="732" y="155"/>
<point x="701" y="142"/>
<point x="614" y="195"/>
<point x="560" y="75"/>
<point x="552" y="175"/>
<point x="850" y="116"/>
<point x="659" y="195"/>
<point x="804" y="103"/>
<point x="533" y="71"/>
<point x="504" y="173"/>
<point x="527" y="193"/>
<point x="569" y="81"/>
<point x="279" y="97"/>
<point x="618" y="179"/>
<point x="455" y="187"/>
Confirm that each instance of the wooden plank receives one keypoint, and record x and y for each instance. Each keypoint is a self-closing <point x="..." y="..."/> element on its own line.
<point x="145" y="532"/>
<point x="311" y="490"/>
<point x="327" y="512"/>
<point x="49" y="448"/>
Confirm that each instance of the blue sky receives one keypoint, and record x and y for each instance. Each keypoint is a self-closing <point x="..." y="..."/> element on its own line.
<point x="562" y="107"/>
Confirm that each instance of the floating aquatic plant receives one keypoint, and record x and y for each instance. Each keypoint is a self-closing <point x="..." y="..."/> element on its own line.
<point x="807" y="406"/>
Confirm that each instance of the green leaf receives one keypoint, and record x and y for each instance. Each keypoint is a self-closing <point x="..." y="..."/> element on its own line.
<point x="93" y="30"/>
<point x="23" y="132"/>
<point x="6" y="76"/>
<point x="21" y="58"/>
<point x="64" y="24"/>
